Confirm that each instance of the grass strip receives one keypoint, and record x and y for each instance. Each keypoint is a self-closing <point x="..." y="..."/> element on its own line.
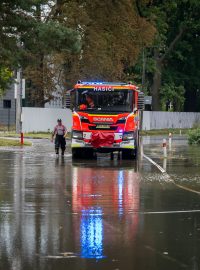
<point x="155" y="132"/>
<point x="12" y="143"/>
<point x="32" y="135"/>
<point x="26" y="135"/>
<point x="47" y="135"/>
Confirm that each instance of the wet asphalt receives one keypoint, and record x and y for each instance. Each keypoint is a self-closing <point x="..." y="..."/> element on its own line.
<point x="100" y="214"/>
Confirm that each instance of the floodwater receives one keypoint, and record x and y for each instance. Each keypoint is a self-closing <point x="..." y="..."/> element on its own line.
<point x="100" y="214"/>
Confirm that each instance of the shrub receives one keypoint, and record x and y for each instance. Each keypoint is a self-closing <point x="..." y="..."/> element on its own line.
<point x="194" y="136"/>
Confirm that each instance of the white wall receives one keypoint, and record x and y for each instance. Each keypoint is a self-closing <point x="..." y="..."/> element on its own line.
<point x="162" y="120"/>
<point x="44" y="119"/>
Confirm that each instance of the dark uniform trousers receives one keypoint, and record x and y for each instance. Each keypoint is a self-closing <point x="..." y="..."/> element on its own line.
<point x="60" y="142"/>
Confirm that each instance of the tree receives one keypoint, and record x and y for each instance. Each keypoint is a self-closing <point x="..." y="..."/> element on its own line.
<point x="172" y="95"/>
<point x="43" y="49"/>
<point x="184" y="69"/>
<point x="28" y="30"/>
<point x="112" y="35"/>
<point x="5" y="79"/>
<point x="175" y="21"/>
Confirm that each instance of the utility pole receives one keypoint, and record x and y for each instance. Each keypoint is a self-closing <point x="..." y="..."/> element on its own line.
<point x="143" y="68"/>
<point x="19" y="101"/>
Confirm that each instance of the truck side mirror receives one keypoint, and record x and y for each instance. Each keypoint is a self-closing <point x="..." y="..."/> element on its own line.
<point x="141" y="101"/>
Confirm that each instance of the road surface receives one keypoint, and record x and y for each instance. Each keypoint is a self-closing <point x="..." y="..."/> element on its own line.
<point x="100" y="214"/>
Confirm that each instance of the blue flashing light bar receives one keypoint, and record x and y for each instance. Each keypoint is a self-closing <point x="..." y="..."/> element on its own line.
<point x="102" y="83"/>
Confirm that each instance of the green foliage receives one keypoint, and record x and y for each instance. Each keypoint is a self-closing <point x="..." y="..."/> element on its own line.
<point x="112" y="36"/>
<point x="176" y="49"/>
<point x="135" y="72"/>
<point x="174" y="94"/>
<point x="194" y="136"/>
<point x="5" y="79"/>
<point x="50" y="37"/>
<point x="12" y="143"/>
<point x="30" y="36"/>
<point x="104" y="40"/>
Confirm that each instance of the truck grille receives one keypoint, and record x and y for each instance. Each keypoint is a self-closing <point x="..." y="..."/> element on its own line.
<point x="103" y="128"/>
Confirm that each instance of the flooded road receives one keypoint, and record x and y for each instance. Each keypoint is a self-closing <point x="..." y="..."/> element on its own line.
<point x="100" y="214"/>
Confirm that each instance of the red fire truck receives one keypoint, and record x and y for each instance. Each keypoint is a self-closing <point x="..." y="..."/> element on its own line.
<point x="106" y="118"/>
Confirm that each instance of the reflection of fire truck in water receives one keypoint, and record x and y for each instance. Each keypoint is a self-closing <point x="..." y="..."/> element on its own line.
<point x="105" y="118"/>
<point x="98" y="193"/>
<point x="91" y="186"/>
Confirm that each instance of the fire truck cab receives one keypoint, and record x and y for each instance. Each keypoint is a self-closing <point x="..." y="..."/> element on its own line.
<point x="105" y="118"/>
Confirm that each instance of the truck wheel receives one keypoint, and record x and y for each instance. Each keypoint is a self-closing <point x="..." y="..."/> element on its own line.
<point x="129" y="153"/>
<point x="82" y="153"/>
<point x="88" y="153"/>
<point x="76" y="153"/>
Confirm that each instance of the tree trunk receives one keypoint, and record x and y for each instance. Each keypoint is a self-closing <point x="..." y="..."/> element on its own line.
<point x="157" y="78"/>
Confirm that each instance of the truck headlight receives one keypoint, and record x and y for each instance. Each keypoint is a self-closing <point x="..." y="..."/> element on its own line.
<point x="77" y="135"/>
<point x="128" y="136"/>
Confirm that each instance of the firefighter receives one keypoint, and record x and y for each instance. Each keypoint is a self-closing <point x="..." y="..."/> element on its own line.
<point x="60" y="132"/>
<point x="90" y="101"/>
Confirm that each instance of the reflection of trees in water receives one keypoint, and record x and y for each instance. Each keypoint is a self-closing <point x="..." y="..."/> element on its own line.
<point x="30" y="226"/>
<point x="194" y="154"/>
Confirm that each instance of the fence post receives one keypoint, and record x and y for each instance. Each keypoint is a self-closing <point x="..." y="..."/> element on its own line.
<point x="170" y="141"/>
<point x="164" y="148"/>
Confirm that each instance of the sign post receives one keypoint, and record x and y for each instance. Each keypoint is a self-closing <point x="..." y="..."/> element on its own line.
<point x="19" y="95"/>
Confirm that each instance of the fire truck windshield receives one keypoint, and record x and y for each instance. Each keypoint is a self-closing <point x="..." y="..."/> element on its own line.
<point x="105" y="101"/>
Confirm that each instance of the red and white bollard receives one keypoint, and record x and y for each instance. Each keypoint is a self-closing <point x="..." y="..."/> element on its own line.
<point x="165" y="164"/>
<point x="164" y="148"/>
<point x="170" y="141"/>
<point x="22" y="138"/>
